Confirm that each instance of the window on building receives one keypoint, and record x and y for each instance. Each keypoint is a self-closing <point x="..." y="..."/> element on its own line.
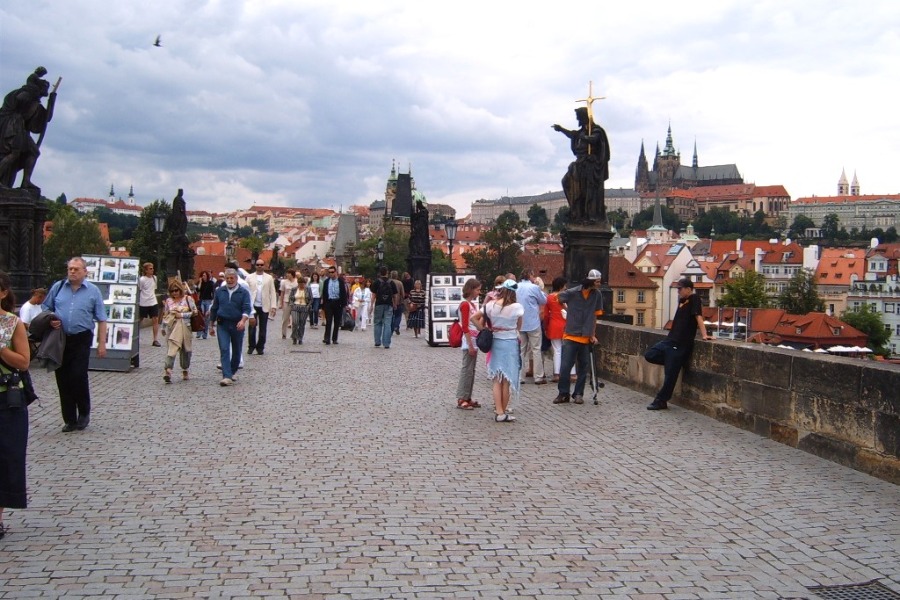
<point x="620" y="296"/>
<point x="640" y="317"/>
<point x="898" y="329"/>
<point x="888" y="307"/>
<point x="640" y="295"/>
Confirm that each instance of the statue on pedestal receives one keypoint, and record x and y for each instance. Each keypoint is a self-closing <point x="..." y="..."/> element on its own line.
<point x="21" y="115"/>
<point x="583" y="183"/>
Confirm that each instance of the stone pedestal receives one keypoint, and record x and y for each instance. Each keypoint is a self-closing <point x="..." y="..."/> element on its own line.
<point x="22" y="216"/>
<point x="586" y="248"/>
<point x="419" y="267"/>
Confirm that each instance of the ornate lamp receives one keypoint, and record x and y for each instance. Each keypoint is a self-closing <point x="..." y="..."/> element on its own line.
<point x="450" y="228"/>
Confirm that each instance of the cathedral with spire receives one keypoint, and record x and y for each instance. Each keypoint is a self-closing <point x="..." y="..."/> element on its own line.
<point x="668" y="172"/>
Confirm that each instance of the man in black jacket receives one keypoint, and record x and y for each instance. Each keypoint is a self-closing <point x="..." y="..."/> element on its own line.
<point x="675" y="350"/>
<point x="334" y="300"/>
<point x="386" y="302"/>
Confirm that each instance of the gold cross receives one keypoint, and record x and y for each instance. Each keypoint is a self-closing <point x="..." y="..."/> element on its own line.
<point x="590" y="109"/>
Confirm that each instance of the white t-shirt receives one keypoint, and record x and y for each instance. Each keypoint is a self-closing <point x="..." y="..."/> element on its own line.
<point x="314" y="290"/>
<point x="147" y="291"/>
<point x="28" y="311"/>
<point x="505" y="319"/>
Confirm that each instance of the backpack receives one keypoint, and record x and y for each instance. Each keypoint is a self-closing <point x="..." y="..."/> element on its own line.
<point x="385" y="293"/>
<point x="455" y="334"/>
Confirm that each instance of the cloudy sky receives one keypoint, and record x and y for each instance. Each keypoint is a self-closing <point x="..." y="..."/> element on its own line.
<point x="306" y="103"/>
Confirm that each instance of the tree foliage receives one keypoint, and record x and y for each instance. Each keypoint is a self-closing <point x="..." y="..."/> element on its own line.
<point x="560" y="221"/>
<point x="644" y="219"/>
<point x="799" y="226"/>
<point x="396" y="251"/>
<point x="73" y="235"/>
<point x="869" y="322"/>
<point x="502" y="250"/>
<point x="146" y="244"/>
<point x="121" y="227"/>
<point x="801" y="295"/>
<point x="747" y="290"/>
<point x="537" y="217"/>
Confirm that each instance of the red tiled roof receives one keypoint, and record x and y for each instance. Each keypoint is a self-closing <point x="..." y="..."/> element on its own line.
<point x="845" y="199"/>
<point x="623" y="274"/>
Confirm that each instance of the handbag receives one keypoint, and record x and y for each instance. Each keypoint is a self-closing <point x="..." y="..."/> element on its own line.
<point x="485" y="338"/>
<point x="198" y="321"/>
<point x="15" y="396"/>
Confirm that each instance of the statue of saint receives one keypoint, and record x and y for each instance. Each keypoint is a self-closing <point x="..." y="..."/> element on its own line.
<point x="21" y="115"/>
<point x="419" y="240"/>
<point x="583" y="183"/>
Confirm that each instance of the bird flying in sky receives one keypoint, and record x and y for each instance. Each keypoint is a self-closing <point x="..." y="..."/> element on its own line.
<point x="158" y="42"/>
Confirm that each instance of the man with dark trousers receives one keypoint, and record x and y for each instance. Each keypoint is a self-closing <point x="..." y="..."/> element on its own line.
<point x="77" y="303"/>
<point x="334" y="300"/>
<point x="674" y="351"/>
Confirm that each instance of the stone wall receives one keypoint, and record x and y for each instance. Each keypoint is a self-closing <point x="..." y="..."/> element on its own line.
<point x="845" y="410"/>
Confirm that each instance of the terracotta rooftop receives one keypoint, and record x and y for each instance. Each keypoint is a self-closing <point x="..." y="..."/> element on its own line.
<point x="622" y="274"/>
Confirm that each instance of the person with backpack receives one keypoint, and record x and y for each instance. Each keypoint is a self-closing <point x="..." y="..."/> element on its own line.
<point x="385" y="292"/>
<point x="467" y="310"/>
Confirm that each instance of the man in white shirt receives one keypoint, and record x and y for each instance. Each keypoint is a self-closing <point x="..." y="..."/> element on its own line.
<point x="533" y="299"/>
<point x="264" y="300"/>
<point x="148" y="304"/>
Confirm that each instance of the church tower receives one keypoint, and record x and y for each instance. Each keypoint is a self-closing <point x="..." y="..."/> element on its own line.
<point x="843" y="187"/>
<point x="131" y="196"/>
<point x="854" y="187"/>
<point x="642" y="174"/>
<point x="390" y="189"/>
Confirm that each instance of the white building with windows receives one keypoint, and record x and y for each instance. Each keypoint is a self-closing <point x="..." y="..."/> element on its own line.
<point x="880" y="289"/>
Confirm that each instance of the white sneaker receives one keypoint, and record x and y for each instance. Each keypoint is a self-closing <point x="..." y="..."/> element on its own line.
<point x="226" y="382"/>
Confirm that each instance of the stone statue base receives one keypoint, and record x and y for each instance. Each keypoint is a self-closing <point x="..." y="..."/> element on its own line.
<point x="22" y="216"/>
<point x="419" y="267"/>
<point x="586" y="248"/>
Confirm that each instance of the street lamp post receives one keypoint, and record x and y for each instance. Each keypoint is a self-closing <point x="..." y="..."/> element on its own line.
<point x="159" y="224"/>
<point x="450" y="228"/>
<point x="379" y="249"/>
<point x="229" y="250"/>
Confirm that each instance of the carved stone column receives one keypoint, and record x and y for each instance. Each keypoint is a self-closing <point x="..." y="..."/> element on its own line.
<point x="22" y="216"/>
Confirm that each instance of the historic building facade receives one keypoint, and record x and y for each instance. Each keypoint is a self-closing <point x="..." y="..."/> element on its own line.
<point x="668" y="172"/>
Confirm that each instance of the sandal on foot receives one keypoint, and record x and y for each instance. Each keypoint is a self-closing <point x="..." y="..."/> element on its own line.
<point x="464" y="404"/>
<point x="474" y="404"/>
<point x="504" y="418"/>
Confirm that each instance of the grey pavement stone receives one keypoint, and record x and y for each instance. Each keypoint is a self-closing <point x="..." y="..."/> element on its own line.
<point x="344" y="472"/>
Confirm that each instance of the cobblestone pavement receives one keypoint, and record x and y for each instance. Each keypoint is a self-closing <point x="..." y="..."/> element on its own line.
<point x="347" y="471"/>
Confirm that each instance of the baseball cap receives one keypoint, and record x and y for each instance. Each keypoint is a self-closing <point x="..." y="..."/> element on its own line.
<point x="594" y="275"/>
<point x="685" y="282"/>
<point x="510" y="285"/>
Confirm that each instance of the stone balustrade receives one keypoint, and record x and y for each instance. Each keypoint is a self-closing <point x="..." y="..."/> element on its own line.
<point x="842" y="409"/>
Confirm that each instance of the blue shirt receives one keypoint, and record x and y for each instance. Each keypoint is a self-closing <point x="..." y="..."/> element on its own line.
<point x="77" y="310"/>
<point x="333" y="287"/>
<point x="532" y="298"/>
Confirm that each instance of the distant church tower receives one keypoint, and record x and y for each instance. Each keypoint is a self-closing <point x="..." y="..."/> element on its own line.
<point x="843" y="186"/>
<point x="112" y="194"/>
<point x="131" y="196"/>
<point x="854" y="187"/>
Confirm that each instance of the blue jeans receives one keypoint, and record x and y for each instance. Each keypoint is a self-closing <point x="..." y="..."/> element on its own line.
<point x="672" y="356"/>
<point x="314" y="311"/>
<point x="384" y="314"/>
<point x="578" y="356"/>
<point x="396" y="317"/>
<point x="204" y="308"/>
<point x="230" y="340"/>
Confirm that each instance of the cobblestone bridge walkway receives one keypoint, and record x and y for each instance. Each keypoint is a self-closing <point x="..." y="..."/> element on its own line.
<point x="347" y="472"/>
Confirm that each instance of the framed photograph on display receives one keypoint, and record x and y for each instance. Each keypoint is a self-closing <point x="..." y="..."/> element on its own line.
<point x="439" y="332"/>
<point x="128" y="313"/>
<point x="123" y="294"/>
<point x="92" y="275"/>
<point x="109" y="336"/>
<point x="454" y="294"/>
<point x="114" y="313"/>
<point x="462" y="279"/>
<point x="438" y="294"/>
<point x="91" y="263"/>
<point x="122" y="335"/>
<point x="129" y="270"/>
<point x="439" y="311"/>
<point x="454" y="311"/>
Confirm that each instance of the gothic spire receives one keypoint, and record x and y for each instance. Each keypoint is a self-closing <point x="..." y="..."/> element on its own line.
<point x="694" y="164"/>
<point x="670" y="147"/>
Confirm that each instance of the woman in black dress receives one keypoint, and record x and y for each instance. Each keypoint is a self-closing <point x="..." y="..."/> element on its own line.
<point x="14" y="354"/>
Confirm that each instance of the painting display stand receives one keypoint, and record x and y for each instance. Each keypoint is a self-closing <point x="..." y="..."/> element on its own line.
<point x="117" y="279"/>
<point x="444" y="293"/>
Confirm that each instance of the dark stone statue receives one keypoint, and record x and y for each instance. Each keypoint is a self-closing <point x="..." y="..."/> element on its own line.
<point x="180" y="256"/>
<point x="583" y="183"/>
<point x="419" y="260"/>
<point x="419" y="240"/>
<point x="21" y="115"/>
